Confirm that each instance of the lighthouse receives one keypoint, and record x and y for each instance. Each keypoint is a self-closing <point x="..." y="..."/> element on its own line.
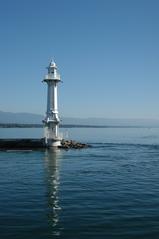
<point x="51" y="121"/>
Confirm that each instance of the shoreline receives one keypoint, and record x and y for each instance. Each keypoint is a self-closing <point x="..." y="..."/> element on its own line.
<point x="17" y="125"/>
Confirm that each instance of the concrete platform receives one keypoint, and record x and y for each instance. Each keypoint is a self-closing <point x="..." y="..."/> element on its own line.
<point x="9" y="144"/>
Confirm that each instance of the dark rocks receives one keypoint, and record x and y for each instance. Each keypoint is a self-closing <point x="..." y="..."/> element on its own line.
<point x="71" y="144"/>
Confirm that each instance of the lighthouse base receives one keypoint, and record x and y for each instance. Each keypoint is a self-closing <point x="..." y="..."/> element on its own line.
<point x="53" y="142"/>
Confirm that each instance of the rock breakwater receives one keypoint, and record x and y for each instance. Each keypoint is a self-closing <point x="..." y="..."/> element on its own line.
<point x="71" y="144"/>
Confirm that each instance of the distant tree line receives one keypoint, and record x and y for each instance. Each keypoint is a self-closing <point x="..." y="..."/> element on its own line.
<point x="16" y="125"/>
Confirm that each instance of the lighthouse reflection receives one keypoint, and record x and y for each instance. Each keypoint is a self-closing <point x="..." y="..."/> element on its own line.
<point x="52" y="160"/>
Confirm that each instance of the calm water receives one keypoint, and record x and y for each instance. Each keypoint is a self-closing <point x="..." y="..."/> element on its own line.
<point x="108" y="191"/>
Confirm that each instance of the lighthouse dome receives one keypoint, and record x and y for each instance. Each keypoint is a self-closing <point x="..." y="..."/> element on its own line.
<point x="52" y="64"/>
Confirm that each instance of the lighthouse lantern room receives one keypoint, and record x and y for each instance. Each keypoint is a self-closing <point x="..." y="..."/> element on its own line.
<point x="51" y="121"/>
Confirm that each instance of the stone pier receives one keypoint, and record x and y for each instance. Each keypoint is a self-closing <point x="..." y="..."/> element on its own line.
<point x="37" y="144"/>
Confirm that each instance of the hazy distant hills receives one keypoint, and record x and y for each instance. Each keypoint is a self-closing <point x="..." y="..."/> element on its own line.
<point x="20" y="118"/>
<point x="111" y="122"/>
<point x="28" y="118"/>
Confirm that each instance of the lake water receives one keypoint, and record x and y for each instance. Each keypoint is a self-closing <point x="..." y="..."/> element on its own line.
<point x="110" y="190"/>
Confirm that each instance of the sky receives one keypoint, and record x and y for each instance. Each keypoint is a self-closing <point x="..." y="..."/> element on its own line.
<point x="107" y="52"/>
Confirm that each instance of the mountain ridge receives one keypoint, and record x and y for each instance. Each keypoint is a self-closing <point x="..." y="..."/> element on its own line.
<point x="31" y="118"/>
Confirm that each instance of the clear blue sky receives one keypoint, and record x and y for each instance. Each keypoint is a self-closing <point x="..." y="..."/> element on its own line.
<point x="107" y="52"/>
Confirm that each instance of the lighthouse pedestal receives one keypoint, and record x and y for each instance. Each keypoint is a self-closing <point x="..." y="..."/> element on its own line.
<point x="52" y="138"/>
<point x="54" y="143"/>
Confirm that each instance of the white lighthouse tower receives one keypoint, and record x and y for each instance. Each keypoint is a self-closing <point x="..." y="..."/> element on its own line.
<point x="51" y="121"/>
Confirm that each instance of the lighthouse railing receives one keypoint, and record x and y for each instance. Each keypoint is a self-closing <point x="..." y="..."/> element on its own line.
<point x="52" y="77"/>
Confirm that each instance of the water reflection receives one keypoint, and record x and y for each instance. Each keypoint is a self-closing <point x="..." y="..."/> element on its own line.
<point x="52" y="161"/>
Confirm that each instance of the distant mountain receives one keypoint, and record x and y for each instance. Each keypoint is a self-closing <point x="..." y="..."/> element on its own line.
<point x="28" y="118"/>
<point x="20" y="118"/>
<point x="112" y="122"/>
